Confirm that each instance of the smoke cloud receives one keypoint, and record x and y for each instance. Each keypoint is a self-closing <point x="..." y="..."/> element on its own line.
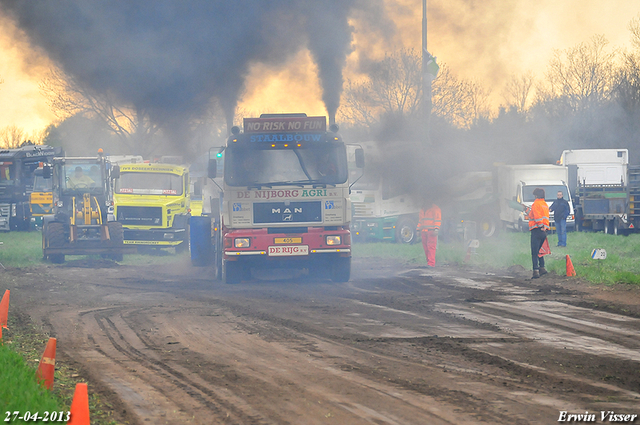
<point x="171" y="58"/>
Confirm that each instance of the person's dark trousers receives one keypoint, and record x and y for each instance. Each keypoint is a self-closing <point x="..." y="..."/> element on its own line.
<point x="561" y="229"/>
<point x="537" y="239"/>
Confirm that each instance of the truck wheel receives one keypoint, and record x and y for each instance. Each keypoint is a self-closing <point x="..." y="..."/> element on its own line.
<point x="232" y="272"/>
<point x="116" y="233"/>
<point x="56" y="239"/>
<point x="341" y="270"/>
<point x="406" y="231"/>
<point x="488" y="227"/>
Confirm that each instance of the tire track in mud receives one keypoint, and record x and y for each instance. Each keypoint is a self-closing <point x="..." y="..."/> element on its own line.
<point x="590" y="385"/>
<point x="199" y="393"/>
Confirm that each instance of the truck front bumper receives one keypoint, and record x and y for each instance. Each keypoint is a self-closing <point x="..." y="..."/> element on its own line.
<point x="155" y="237"/>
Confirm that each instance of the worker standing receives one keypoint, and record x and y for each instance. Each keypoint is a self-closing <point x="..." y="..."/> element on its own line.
<point x="429" y="225"/>
<point x="538" y="216"/>
<point x="561" y="210"/>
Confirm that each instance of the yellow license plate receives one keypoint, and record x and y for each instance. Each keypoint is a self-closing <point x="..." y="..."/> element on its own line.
<point x="287" y="240"/>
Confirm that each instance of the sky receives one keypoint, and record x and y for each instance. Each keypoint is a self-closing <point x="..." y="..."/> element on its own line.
<point x="487" y="40"/>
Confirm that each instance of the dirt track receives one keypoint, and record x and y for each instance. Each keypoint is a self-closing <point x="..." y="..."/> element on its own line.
<point x="395" y="345"/>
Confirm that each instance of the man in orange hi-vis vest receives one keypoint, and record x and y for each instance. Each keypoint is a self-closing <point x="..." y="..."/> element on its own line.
<point x="429" y="225"/>
<point x="538" y="216"/>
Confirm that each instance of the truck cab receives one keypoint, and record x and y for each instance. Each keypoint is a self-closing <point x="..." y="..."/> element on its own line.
<point x="152" y="201"/>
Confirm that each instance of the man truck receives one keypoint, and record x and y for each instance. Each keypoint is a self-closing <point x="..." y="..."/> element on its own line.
<point x="283" y="200"/>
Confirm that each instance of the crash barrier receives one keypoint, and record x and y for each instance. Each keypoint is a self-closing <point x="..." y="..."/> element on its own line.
<point x="79" y="412"/>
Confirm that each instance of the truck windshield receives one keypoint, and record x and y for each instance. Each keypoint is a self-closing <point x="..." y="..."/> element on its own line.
<point x="149" y="184"/>
<point x="263" y="165"/>
<point x="40" y="184"/>
<point x="550" y="192"/>
<point x="7" y="173"/>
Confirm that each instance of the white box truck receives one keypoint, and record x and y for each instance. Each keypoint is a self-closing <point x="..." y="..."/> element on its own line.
<point x="517" y="182"/>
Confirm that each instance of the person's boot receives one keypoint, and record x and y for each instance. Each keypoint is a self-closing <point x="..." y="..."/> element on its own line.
<point x="536" y="274"/>
<point x="542" y="271"/>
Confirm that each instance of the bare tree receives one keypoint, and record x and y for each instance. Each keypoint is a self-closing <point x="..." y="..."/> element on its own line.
<point x="581" y="75"/>
<point x="458" y="101"/>
<point x="68" y="97"/>
<point x="518" y="91"/>
<point x="393" y="89"/>
<point x="11" y="137"/>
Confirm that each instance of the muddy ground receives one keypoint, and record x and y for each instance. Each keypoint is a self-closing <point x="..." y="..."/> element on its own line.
<point x="397" y="344"/>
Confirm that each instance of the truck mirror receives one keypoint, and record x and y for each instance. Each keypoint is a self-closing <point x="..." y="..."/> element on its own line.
<point x="115" y="172"/>
<point x="359" y="158"/>
<point x="46" y="171"/>
<point x="212" y="169"/>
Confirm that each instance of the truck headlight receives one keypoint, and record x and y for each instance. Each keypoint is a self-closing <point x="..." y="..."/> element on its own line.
<point x="168" y="235"/>
<point x="333" y="240"/>
<point x="242" y="242"/>
<point x="13" y="210"/>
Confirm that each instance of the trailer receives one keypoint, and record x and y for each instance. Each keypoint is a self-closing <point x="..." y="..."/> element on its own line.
<point x="599" y="181"/>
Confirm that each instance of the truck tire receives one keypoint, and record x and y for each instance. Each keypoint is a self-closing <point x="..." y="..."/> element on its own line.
<point x="488" y="227"/>
<point x="232" y="272"/>
<point x="406" y="231"/>
<point x="116" y="233"/>
<point x="56" y="239"/>
<point x="341" y="270"/>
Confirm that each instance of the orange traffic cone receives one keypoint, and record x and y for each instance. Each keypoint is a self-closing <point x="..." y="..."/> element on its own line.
<point x="4" y="309"/>
<point x="47" y="364"/>
<point x="570" y="270"/>
<point x="79" y="412"/>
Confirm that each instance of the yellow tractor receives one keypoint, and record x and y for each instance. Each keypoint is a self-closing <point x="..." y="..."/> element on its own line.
<point x="82" y="194"/>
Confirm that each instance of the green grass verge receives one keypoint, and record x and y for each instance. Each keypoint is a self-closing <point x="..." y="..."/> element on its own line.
<point x="509" y="249"/>
<point x="24" y="249"/>
<point x="19" y="390"/>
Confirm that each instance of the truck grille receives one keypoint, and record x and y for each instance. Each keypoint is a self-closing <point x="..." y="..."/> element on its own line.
<point x="140" y="216"/>
<point x="291" y="212"/>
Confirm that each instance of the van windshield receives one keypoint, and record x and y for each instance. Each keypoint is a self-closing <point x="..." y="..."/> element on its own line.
<point x="550" y="192"/>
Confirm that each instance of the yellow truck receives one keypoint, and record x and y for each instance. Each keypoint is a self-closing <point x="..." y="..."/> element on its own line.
<point x="152" y="201"/>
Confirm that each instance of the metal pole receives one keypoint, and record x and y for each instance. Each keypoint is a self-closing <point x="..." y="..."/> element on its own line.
<point x="426" y="78"/>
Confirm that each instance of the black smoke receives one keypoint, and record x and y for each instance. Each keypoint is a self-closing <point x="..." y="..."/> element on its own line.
<point x="172" y="58"/>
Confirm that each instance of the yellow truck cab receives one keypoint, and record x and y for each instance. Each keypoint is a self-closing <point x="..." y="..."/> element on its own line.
<point x="152" y="201"/>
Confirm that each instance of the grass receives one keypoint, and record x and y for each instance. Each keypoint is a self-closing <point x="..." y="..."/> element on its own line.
<point x="510" y="249"/>
<point x="19" y="390"/>
<point x="24" y="249"/>
<point x="20" y="249"/>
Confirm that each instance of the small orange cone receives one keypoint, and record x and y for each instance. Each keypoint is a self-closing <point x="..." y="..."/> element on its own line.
<point x="570" y="270"/>
<point x="79" y="412"/>
<point x="4" y="309"/>
<point x="47" y="364"/>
